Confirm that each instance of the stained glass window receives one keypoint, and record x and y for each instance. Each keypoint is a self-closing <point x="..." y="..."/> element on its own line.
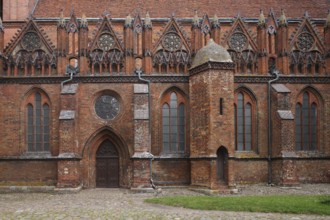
<point x="173" y="125"/>
<point x="243" y="122"/>
<point x="37" y="128"/>
<point x="306" y="122"/>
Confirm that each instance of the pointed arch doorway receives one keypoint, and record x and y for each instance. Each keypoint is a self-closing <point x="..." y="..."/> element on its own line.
<point x="107" y="165"/>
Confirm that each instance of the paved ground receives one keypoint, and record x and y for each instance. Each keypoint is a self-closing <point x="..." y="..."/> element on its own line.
<point x="123" y="204"/>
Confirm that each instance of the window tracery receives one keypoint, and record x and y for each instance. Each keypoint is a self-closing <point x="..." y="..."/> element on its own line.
<point x="172" y="54"/>
<point x="173" y="124"/>
<point x="106" y="42"/>
<point x="171" y="42"/>
<point x="307" y="54"/>
<point x="310" y="62"/>
<point x="106" y="61"/>
<point x="38" y="123"/>
<point x="241" y="52"/>
<point x="244" y="121"/>
<point x="305" y="41"/>
<point x="31" y="41"/>
<point x="307" y="122"/>
<point x="107" y="107"/>
<point x="238" y="42"/>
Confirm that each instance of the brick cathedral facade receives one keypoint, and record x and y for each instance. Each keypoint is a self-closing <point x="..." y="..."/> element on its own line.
<point x="128" y="95"/>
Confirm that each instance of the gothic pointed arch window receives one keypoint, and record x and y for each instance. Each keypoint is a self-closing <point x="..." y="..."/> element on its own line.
<point x="307" y="122"/>
<point x="174" y="135"/>
<point x="37" y="110"/>
<point x="244" y="121"/>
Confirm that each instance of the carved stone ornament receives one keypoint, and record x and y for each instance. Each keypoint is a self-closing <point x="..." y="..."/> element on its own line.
<point x="305" y="41"/>
<point x="238" y="41"/>
<point x="106" y="42"/>
<point x="138" y="28"/>
<point x="72" y="28"/>
<point x="31" y="41"/>
<point x="171" y="42"/>
<point x="271" y="29"/>
<point x="107" y="107"/>
<point x="107" y="149"/>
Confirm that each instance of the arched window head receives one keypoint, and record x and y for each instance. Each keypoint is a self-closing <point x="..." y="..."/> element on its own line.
<point x="173" y="123"/>
<point x="306" y="122"/>
<point x="244" y="124"/>
<point x="37" y="123"/>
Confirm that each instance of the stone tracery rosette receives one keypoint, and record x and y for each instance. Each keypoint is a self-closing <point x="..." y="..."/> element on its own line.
<point x="171" y="42"/>
<point x="238" y="41"/>
<point x="171" y="54"/>
<point x="106" y="42"/>
<point x="107" y="107"/>
<point x="242" y="49"/>
<point x="31" y="41"/>
<point x="305" y="41"/>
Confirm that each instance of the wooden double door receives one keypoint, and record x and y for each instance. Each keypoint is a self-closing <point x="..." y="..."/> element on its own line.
<point x="107" y="165"/>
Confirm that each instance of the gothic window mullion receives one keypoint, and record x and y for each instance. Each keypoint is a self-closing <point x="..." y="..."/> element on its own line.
<point x="306" y="123"/>
<point x="181" y="126"/>
<point x="243" y="122"/>
<point x="166" y="128"/>
<point x="248" y="127"/>
<point x="38" y="126"/>
<point x="173" y="124"/>
<point x="313" y="126"/>
<point x="30" y="127"/>
<point x="240" y="123"/>
<point x="46" y="127"/>
<point x="244" y="125"/>
<point x="298" y="127"/>
<point x="37" y="119"/>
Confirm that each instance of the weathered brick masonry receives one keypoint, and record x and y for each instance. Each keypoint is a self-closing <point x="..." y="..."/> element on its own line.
<point x="156" y="100"/>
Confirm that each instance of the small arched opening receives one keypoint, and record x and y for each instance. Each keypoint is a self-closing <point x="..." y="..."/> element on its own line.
<point x="222" y="165"/>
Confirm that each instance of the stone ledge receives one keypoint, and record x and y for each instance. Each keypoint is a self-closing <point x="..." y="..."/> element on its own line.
<point x="142" y="155"/>
<point x="142" y="190"/>
<point x="67" y="115"/>
<point x="23" y="189"/>
<point x="70" y="89"/>
<point x="211" y="192"/>
<point x="68" y="190"/>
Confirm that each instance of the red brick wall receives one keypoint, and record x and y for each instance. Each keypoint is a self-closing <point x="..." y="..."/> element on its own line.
<point x="162" y="8"/>
<point x="171" y="172"/>
<point x="313" y="171"/>
<point x="200" y="115"/>
<point x="249" y="171"/>
<point x="28" y="173"/>
<point x="200" y="175"/>
<point x="158" y="90"/>
<point x="13" y="117"/>
<point x="206" y="141"/>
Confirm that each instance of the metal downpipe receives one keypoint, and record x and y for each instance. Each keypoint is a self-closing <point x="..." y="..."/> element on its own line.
<point x="277" y="76"/>
<point x="139" y="72"/>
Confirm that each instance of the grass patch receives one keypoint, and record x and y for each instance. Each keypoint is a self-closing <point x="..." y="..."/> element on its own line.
<point x="296" y="204"/>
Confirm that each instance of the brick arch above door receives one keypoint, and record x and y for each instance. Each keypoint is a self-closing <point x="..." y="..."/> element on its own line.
<point x="88" y="163"/>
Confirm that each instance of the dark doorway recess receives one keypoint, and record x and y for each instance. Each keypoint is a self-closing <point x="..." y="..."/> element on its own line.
<point x="107" y="165"/>
<point x="222" y="164"/>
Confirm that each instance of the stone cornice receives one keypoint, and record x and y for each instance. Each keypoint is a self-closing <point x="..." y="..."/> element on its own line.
<point x="212" y="65"/>
<point x="162" y="79"/>
<point x="93" y="79"/>
<point x="38" y="157"/>
<point x="179" y="19"/>
<point x="282" y="79"/>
